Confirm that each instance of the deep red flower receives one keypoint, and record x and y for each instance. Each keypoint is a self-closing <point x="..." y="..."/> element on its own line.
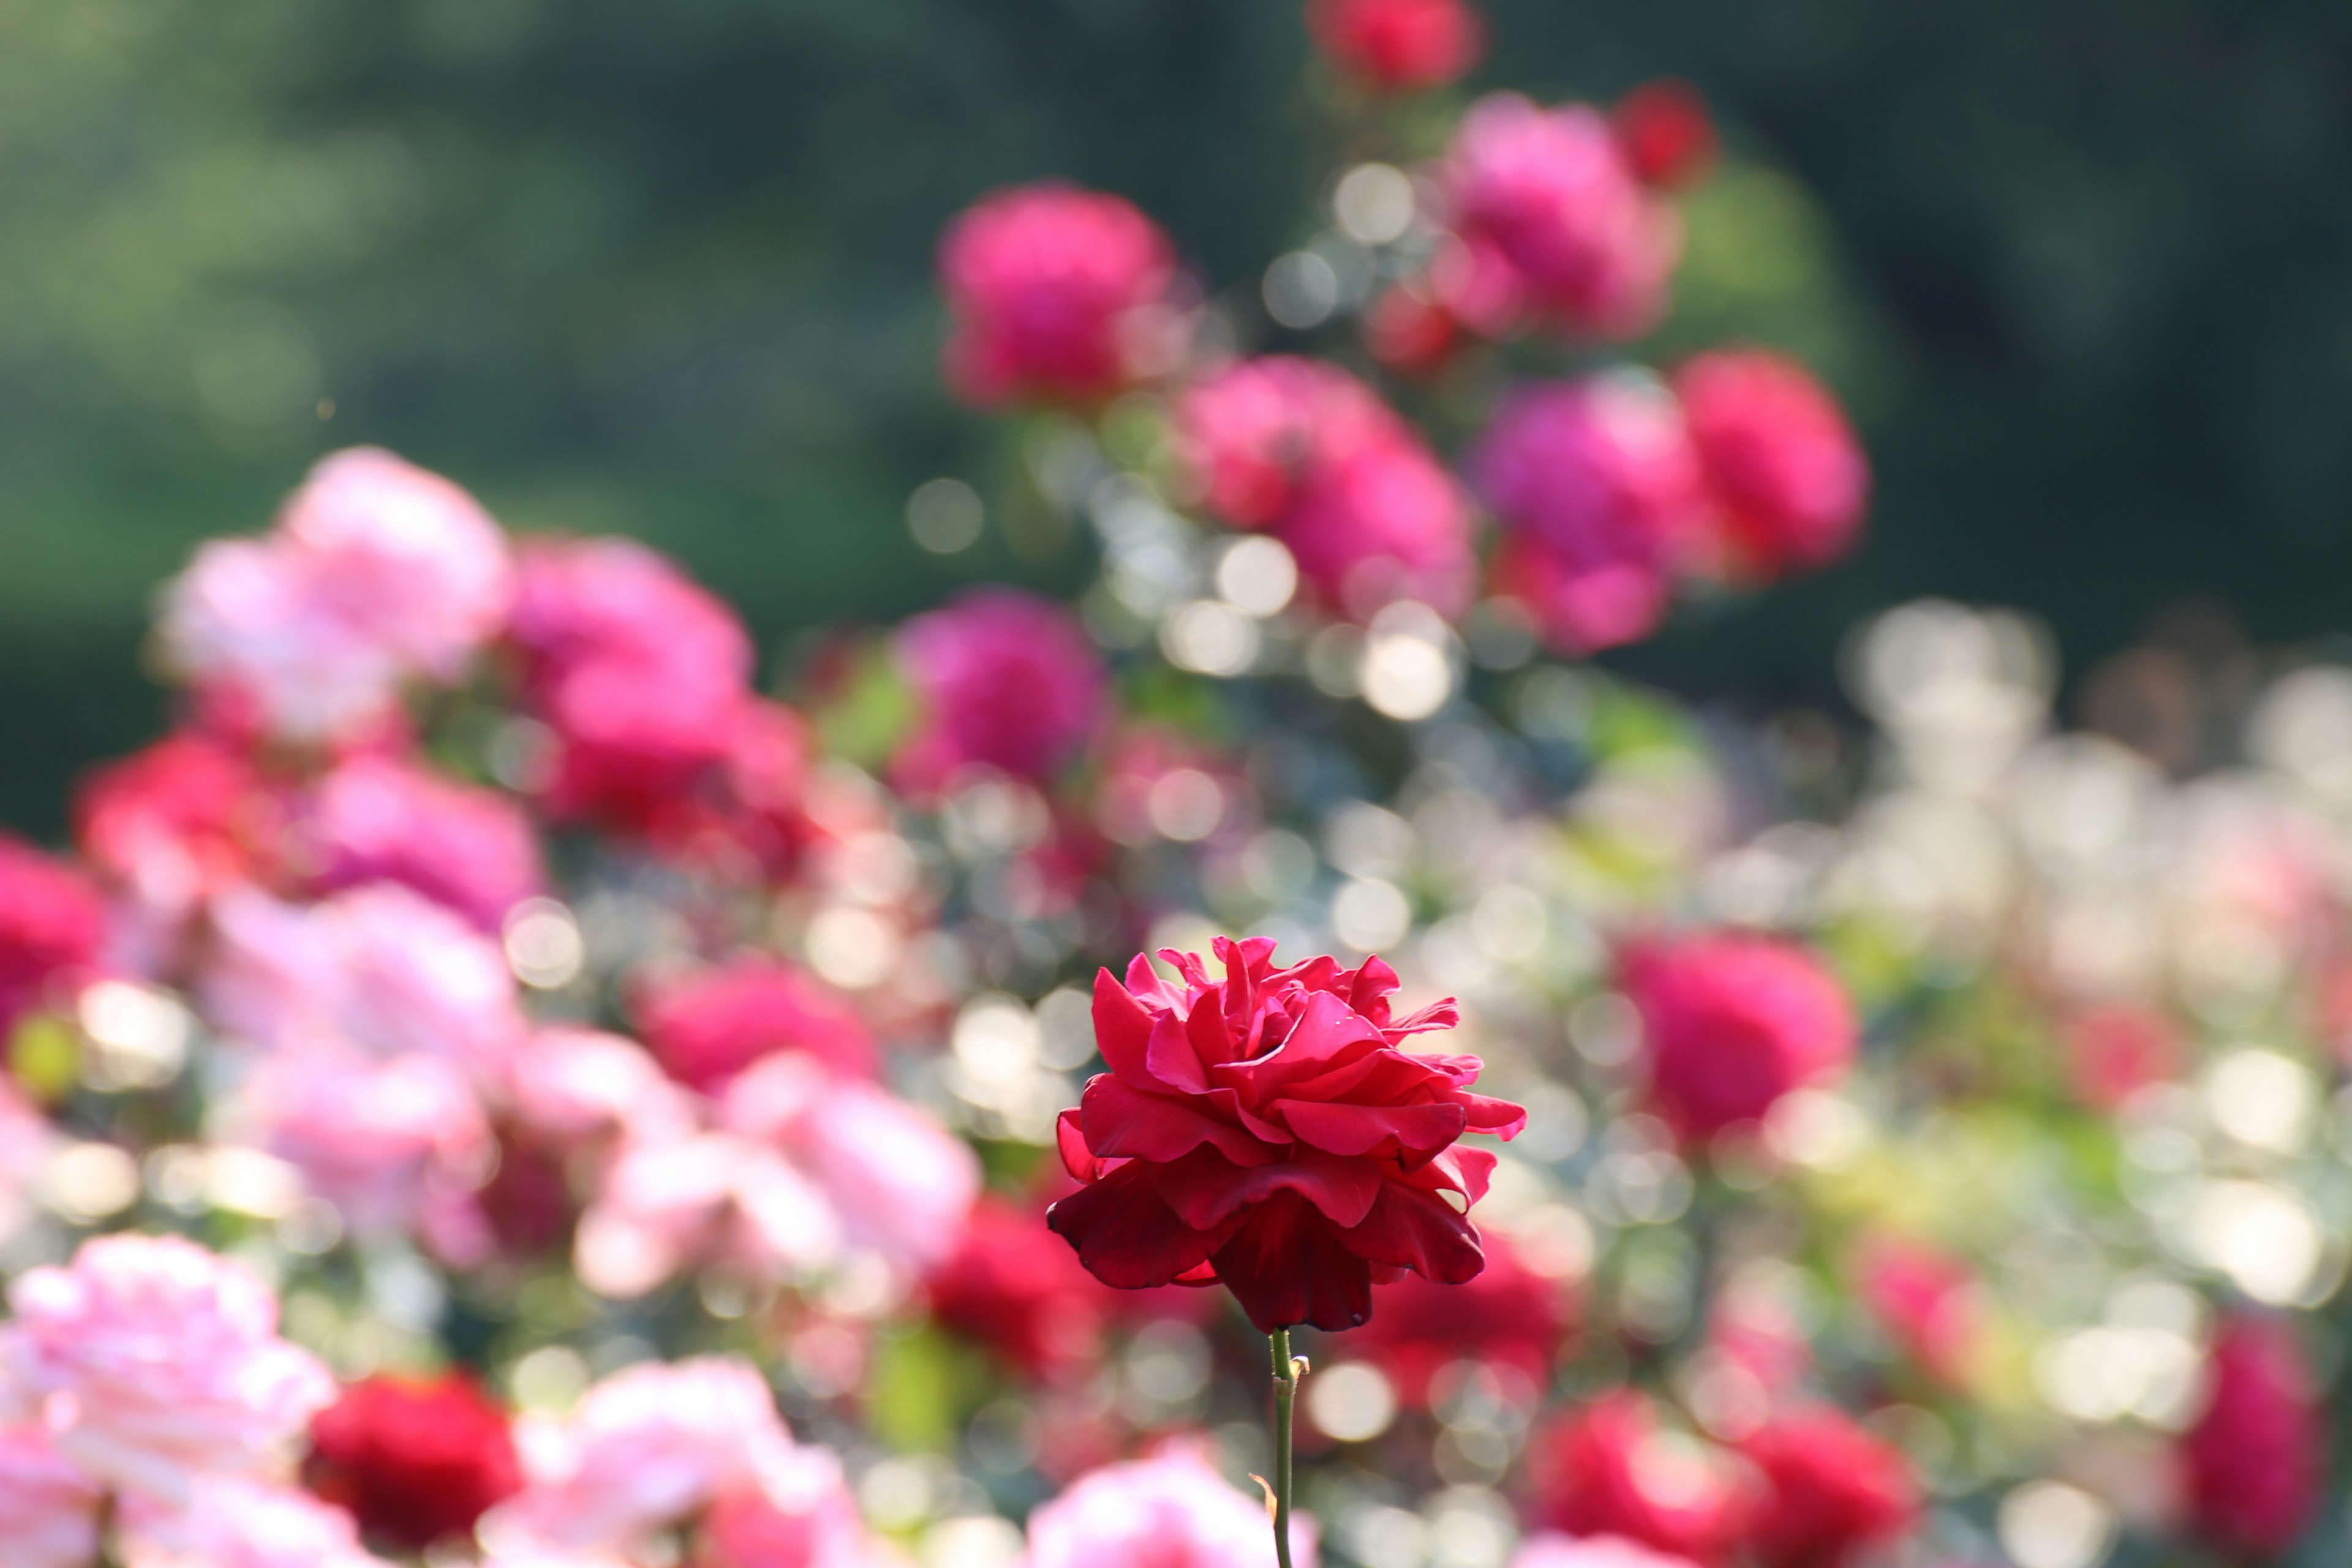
<point x="707" y="1026"/>
<point x="52" y="928"/>
<point x="2255" y="1464"/>
<point x="1788" y="474"/>
<point x="1399" y="46"/>
<point x="1731" y="1023"/>
<point x="1612" y="1468"/>
<point x="1267" y="1131"/>
<point x="1666" y="133"/>
<point x="1509" y="1316"/>
<point x="1831" y="1489"/>
<point x="1020" y="1292"/>
<point x="416" y="1460"/>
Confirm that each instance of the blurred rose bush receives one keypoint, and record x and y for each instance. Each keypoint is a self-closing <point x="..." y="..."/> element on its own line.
<point x="498" y="1084"/>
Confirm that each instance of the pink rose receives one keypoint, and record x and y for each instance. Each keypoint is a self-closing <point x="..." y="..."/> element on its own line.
<point x="1926" y="1300"/>
<point x="1600" y="493"/>
<point x="708" y="1025"/>
<point x="1052" y="290"/>
<point x="151" y="1359"/>
<point x="795" y="1513"/>
<point x="376" y="818"/>
<point x="381" y="1141"/>
<point x="1305" y="450"/>
<point x="1610" y="1468"/>
<point x="1171" y="1511"/>
<point x="648" y="1448"/>
<point x="1399" y="46"/>
<point x="1547" y="1549"/>
<point x="52" y="930"/>
<point x="1005" y="679"/>
<point x="1789" y="477"/>
<point x="2255" y="1464"/>
<point x="48" y="1508"/>
<point x="1553" y="224"/>
<point x="232" y="1522"/>
<point x="1731" y="1023"/>
<point x="576" y="1085"/>
<point x="643" y="676"/>
<point x="1833" y="1489"/>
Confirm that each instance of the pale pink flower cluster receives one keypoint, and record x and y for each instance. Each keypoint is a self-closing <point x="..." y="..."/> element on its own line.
<point x="153" y="1370"/>
<point x="1172" y="1510"/>
<point x="1552" y="1550"/>
<point x="659" y="1447"/>
<point x="376" y="574"/>
<point x="377" y="818"/>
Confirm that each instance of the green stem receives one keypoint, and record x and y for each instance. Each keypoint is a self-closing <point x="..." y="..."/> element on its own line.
<point x="1286" y="1392"/>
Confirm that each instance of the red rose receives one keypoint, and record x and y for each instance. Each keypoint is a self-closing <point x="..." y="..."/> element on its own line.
<point x="1786" y="472"/>
<point x="52" y="928"/>
<point x="1018" y="1290"/>
<point x="176" y="822"/>
<point x="708" y="1025"/>
<point x="1509" y="1316"/>
<point x="1610" y="1469"/>
<point x="1666" y="133"/>
<point x="1732" y="1023"/>
<point x="2255" y="1464"/>
<point x="1399" y="46"/>
<point x="1831" y="1489"/>
<point x="1267" y="1131"/>
<point x="414" y="1460"/>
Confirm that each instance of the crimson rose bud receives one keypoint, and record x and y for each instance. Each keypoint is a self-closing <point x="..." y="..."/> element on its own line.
<point x="1266" y="1130"/>
<point x="415" y="1460"/>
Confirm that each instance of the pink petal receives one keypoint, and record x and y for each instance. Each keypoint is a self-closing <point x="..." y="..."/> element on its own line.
<point x="1360" y="1130"/>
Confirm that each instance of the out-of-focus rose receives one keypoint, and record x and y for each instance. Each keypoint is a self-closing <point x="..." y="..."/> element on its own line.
<point x="1831" y="1490"/>
<point x="2115" y="1050"/>
<point x="49" y="1507"/>
<point x="1397" y="45"/>
<point x="1789" y="478"/>
<point x="381" y="1141"/>
<point x="52" y="929"/>
<point x="1600" y="492"/>
<point x="1926" y="1300"/>
<point x="2255" y="1464"/>
<point x="235" y="1522"/>
<point x="1549" y="1548"/>
<point x="1409" y="332"/>
<point x="382" y="970"/>
<point x="1017" y="1289"/>
<point x="415" y="1460"/>
<point x="643" y="676"/>
<point x="1509" y="1316"/>
<point x="1668" y="135"/>
<point x="183" y="819"/>
<point x="1610" y="1469"/>
<point x="1171" y="1511"/>
<point x="1731" y="1023"/>
<point x="648" y="1448"/>
<point x="1268" y="1130"/>
<point x="151" y="1360"/>
<point x="576" y="1085"/>
<point x="1552" y="224"/>
<point x="796" y="1512"/>
<point x="376" y="818"/>
<point x="750" y="816"/>
<point x="1005" y="679"/>
<point x="377" y="571"/>
<point x="707" y="1026"/>
<point x="1053" y="289"/>
<point x="1304" y="450"/>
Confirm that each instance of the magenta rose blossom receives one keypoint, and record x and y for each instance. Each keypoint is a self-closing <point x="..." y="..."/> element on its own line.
<point x="1601" y="497"/>
<point x="1005" y="679"/>
<point x="1554" y="226"/>
<point x="1731" y="1023"/>
<point x="707" y="1026"/>
<point x="1169" y="1511"/>
<point x="1267" y="1131"/>
<point x="149" y="1358"/>
<point x="1789" y="477"/>
<point x="2255" y="1463"/>
<point x="379" y="819"/>
<point x="1397" y="45"/>
<point x="1832" y="1490"/>
<point x="52" y="929"/>
<point x="1053" y="289"/>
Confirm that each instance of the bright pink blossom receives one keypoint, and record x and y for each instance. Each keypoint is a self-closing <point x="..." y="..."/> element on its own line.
<point x="1399" y="46"/>
<point x="49" y="1506"/>
<point x="1509" y="1316"/>
<point x="376" y="818"/>
<point x="52" y="930"/>
<point x="643" y="677"/>
<point x="1612" y="1468"/>
<point x="1926" y="1301"/>
<point x="1731" y="1023"/>
<point x="2255" y="1464"/>
<point x="1789" y="478"/>
<point x="1832" y="1491"/>
<point x="1551" y="224"/>
<point x="151" y="1360"/>
<point x="1600" y="492"/>
<point x="796" y="1512"/>
<point x="1269" y="1131"/>
<point x="186" y="818"/>
<point x="235" y="1522"/>
<point x="1005" y="679"/>
<point x="1055" y="294"/>
<point x="1171" y="1511"/>
<point x="1547" y="1549"/>
<point x="707" y="1026"/>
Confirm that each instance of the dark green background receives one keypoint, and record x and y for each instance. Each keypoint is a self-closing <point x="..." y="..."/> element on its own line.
<point x="2082" y="265"/>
